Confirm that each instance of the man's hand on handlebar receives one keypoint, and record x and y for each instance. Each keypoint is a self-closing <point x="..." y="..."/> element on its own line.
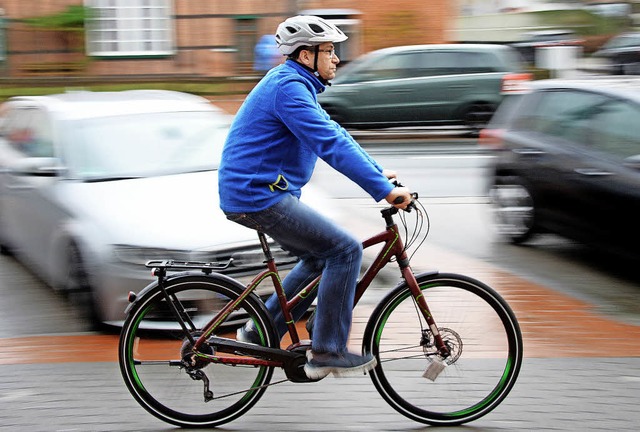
<point x="400" y="197"/>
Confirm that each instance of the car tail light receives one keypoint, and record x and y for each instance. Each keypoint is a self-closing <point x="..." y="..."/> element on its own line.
<point x="491" y="138"/>
<point x="515" y="83"/>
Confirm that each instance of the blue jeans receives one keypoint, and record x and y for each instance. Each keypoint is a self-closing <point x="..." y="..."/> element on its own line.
<point x="323" y="248"/>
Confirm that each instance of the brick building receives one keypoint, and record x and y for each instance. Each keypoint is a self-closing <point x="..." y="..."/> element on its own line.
<point x="193" y="37"/>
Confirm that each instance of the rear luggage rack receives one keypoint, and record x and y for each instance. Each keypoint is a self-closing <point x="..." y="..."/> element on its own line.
<point x="206" y="267"/>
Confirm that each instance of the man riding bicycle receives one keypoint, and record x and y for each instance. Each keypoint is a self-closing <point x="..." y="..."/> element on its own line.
<point x="270" y="153"/>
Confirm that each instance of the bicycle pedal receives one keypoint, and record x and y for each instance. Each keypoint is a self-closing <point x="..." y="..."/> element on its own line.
<point x="434" y="369"/>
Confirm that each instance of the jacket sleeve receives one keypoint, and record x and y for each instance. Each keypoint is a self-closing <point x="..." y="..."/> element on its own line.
<point x="299" y="110"/>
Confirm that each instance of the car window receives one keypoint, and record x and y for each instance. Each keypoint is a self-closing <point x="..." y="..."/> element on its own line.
<point x="433" y="63"/>
<point x="478" y="62"/>
<point x="143" y="145"/>
<point x="28" y="132"/>
<point x="616" y="129"/>
<point x="386" y="67"/>
<point x="623" y="41"/>
<point x="564" y="114"/>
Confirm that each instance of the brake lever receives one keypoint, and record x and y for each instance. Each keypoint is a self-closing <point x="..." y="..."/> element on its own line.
<point x="411" y="205"/>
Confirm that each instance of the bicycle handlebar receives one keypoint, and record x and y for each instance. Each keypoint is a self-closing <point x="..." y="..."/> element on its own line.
<point x="400" y="200"/>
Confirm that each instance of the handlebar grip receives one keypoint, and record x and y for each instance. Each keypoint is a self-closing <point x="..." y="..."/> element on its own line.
<point x="411" y="205"/>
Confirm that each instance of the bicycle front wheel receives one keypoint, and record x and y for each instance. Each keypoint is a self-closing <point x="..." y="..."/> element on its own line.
<point x="153" y="345"/>
<point x="481" y="332"/>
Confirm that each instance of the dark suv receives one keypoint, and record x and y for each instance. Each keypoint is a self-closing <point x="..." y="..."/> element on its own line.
<point x="568" y="162"/>
<point x="622" y="52"/>
<point x="423" y="85"/>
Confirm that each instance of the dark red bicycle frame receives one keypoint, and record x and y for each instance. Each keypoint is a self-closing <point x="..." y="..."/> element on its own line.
<point x="392" y="246"/>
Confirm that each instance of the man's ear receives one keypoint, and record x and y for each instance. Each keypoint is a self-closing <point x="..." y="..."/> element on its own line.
<point x="305" y="57"/>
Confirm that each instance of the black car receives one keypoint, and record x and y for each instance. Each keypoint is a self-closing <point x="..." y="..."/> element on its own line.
<point x="622" y="53"/>
<point x="568" y="162"/>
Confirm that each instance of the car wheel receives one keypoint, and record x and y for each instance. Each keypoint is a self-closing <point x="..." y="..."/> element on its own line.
<point x="477" y="116"/>
<point x="514" y="209"/>
<point x="78" y="288"/>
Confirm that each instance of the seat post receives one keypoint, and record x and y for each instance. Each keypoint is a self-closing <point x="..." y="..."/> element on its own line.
<point x="265" y="246"/>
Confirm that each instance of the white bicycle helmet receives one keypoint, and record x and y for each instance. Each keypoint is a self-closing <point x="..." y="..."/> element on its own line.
<point x="306" y="30"/>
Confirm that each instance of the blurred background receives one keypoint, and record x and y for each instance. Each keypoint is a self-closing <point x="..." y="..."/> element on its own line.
<point x="532" y="185"/>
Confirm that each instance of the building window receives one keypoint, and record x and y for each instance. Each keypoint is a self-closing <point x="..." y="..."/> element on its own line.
<point x="130" y="28"/>
<point x="246" y="38"/>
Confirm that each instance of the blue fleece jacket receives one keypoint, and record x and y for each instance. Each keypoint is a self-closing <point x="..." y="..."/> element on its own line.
<point x="275" y="139"/>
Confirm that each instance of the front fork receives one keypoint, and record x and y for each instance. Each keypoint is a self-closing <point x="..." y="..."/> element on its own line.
<point x="418" y="296"/>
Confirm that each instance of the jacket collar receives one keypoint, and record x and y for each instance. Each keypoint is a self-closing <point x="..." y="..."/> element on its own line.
<point x="308" y="73"/>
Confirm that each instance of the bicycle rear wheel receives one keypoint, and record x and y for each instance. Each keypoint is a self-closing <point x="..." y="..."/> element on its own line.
<point x="478" y="327"/>
<point x="152" y="345"/>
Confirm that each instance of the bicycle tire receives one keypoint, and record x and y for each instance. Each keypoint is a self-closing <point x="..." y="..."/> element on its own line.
<point x="152" y="345"/>
<point x="475" y="322"/>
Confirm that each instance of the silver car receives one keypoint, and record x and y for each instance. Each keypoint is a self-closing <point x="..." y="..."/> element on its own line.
<point x="92" y="185"/>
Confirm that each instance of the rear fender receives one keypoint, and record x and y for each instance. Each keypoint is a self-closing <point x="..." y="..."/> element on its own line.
<point x="149" y="289"/>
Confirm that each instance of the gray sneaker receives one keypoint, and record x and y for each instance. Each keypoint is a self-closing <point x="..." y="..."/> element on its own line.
<point x="319" y="365"/>
<point x="247" y="333"/>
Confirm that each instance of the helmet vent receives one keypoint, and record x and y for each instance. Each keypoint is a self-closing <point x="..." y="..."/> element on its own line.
<point x="316" y="28"/>
<point x="292" y="30"/>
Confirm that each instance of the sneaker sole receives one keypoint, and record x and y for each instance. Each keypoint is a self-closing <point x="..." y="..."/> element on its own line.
<point x="240" y="336"/>
<point x="321" y="372"/>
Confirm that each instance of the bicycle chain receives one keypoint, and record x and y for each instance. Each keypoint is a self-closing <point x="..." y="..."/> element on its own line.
<point x="250" y="389"/>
